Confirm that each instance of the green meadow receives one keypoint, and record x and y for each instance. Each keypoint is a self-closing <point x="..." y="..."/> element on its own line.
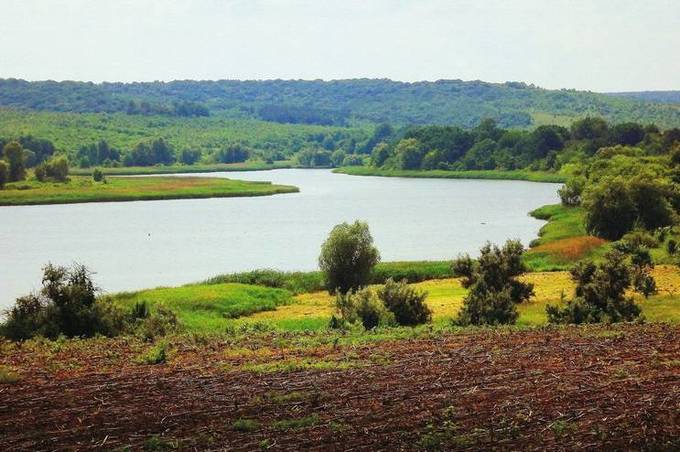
<point x="80" y="189"/>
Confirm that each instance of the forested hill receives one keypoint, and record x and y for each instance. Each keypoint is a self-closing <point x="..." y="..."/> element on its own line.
<point x="663" y="97"/>
<point x="339" y="102"/>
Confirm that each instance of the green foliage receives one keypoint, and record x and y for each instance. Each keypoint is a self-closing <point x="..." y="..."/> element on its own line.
<point x="4" y="173"/>
<point x="405" y="302"/>
<point x="615" y="205"/>
<point x="245" y="425"/>
<point x="84" y="189"/>
<point x="97" y="175"/>
<point x="610" y="209"/>
<point x="14" y="156"/>
<point x="8" y="376"/>
<point x="200" y="307"/>
<point x="55" y="169"/>
<point x="453" y="102"/>
<point x="64" y="305"/>
<point x="570" y="193"/>
<point x="600" y="293"/>
<point x="348" y="257"/>
<point x="157" y="354"/>
<point x="494" y="289"/>
<point x="363" y="306"/>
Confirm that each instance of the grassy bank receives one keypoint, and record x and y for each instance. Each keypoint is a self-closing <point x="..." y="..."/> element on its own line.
<point x="80" y="189"/>
<point x="218" y="307"/>
<point x="206" y="308"/>
<point x="532" y="176"/>
<point x="175" y="169"/>
<point x="563" y="241"/>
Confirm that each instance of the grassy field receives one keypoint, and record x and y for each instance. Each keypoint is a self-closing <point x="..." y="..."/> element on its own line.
<point x="216" y="307"/>
<point x="81" y="189"/>
<point x="532" y="176"/>
<point x="445" y="298"/>
<point x="206" y="308"/>
<point x="175" y="169"/>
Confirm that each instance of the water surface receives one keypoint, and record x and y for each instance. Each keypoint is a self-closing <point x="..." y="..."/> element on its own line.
<point x="133" y="245"/>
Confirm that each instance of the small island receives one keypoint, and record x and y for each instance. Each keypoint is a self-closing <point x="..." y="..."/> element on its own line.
<point x="80" y="189"/>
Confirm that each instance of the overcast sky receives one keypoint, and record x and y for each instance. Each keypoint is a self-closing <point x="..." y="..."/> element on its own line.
<point x="599" y="45"/>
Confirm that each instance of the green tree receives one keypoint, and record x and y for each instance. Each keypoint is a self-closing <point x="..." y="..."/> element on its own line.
<point x="570" y="193"/>
<point x="409" y="153"/>
<point x="66" y="304"/>
<point x="337" y="157"/>
<point x="480" y="156"/>
<point x="610" y="208"/>
<point x="4" y="173"/>
<point x="381" y="152"/>
<point x="347" y="257"/>
<point x="600" y="294"/>
<point x="14" y="155"/>
<point x="494" y="289"/>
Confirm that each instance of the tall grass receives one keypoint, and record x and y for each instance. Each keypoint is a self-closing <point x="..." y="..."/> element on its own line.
<point x="313" y="281"/>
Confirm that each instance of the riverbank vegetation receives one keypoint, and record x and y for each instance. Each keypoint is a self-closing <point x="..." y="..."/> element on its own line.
<point x="79" y="189"/>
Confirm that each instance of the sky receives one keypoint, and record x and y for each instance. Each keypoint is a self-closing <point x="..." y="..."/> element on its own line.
<point x="597" y="45"/>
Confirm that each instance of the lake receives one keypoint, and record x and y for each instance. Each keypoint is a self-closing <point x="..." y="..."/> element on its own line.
<point x="134" y="245"/>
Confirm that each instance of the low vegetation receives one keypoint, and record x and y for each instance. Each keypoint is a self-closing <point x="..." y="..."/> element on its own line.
<point x="81" y="189"/>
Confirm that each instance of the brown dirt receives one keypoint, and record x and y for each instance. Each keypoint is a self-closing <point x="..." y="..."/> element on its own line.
<point x="559" y="389"/>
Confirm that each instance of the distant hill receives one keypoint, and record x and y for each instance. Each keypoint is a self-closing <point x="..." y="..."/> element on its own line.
<point x="664" y="97"/>
<point x="339" y="102"/>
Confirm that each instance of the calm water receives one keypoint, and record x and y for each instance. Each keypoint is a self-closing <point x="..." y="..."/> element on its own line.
<point x="133" y="245"/>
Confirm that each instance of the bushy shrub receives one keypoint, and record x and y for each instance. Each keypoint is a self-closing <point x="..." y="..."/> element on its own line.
<point x="348" y="257"/>
<point x="64" y="305"/>
<point x="405" y="302"/>
<point x="97" y="175"/>
<point x="55" y="169"/>
<point x="494" y="289"/>
<point x="361" y="306"/>
<point x="158" y="323"/>
<point x="672" y="247"/>
<point x="570" y="193"/>
<point x="600" y="293"/>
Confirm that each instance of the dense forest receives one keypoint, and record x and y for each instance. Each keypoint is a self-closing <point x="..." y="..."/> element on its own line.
<point x="339" y="102"/>
<point x="662" y="97"/>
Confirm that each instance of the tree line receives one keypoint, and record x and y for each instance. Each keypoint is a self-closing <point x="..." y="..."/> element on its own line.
<point x="489" y="147"/>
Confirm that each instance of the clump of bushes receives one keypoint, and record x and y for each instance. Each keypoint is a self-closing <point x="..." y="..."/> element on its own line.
<point x="600" y="293"/>
<point x="361" y="306"/>
<point x="494" y="290"/>
<point x="64" y="305"/>
<point x="395" y="303"/>
<point x="406" y="303"/>
<point x="55" y="169"/>
<point x="67" y="305"/>
<point x="570" y="193"/>
<point x="348" y="257"/>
